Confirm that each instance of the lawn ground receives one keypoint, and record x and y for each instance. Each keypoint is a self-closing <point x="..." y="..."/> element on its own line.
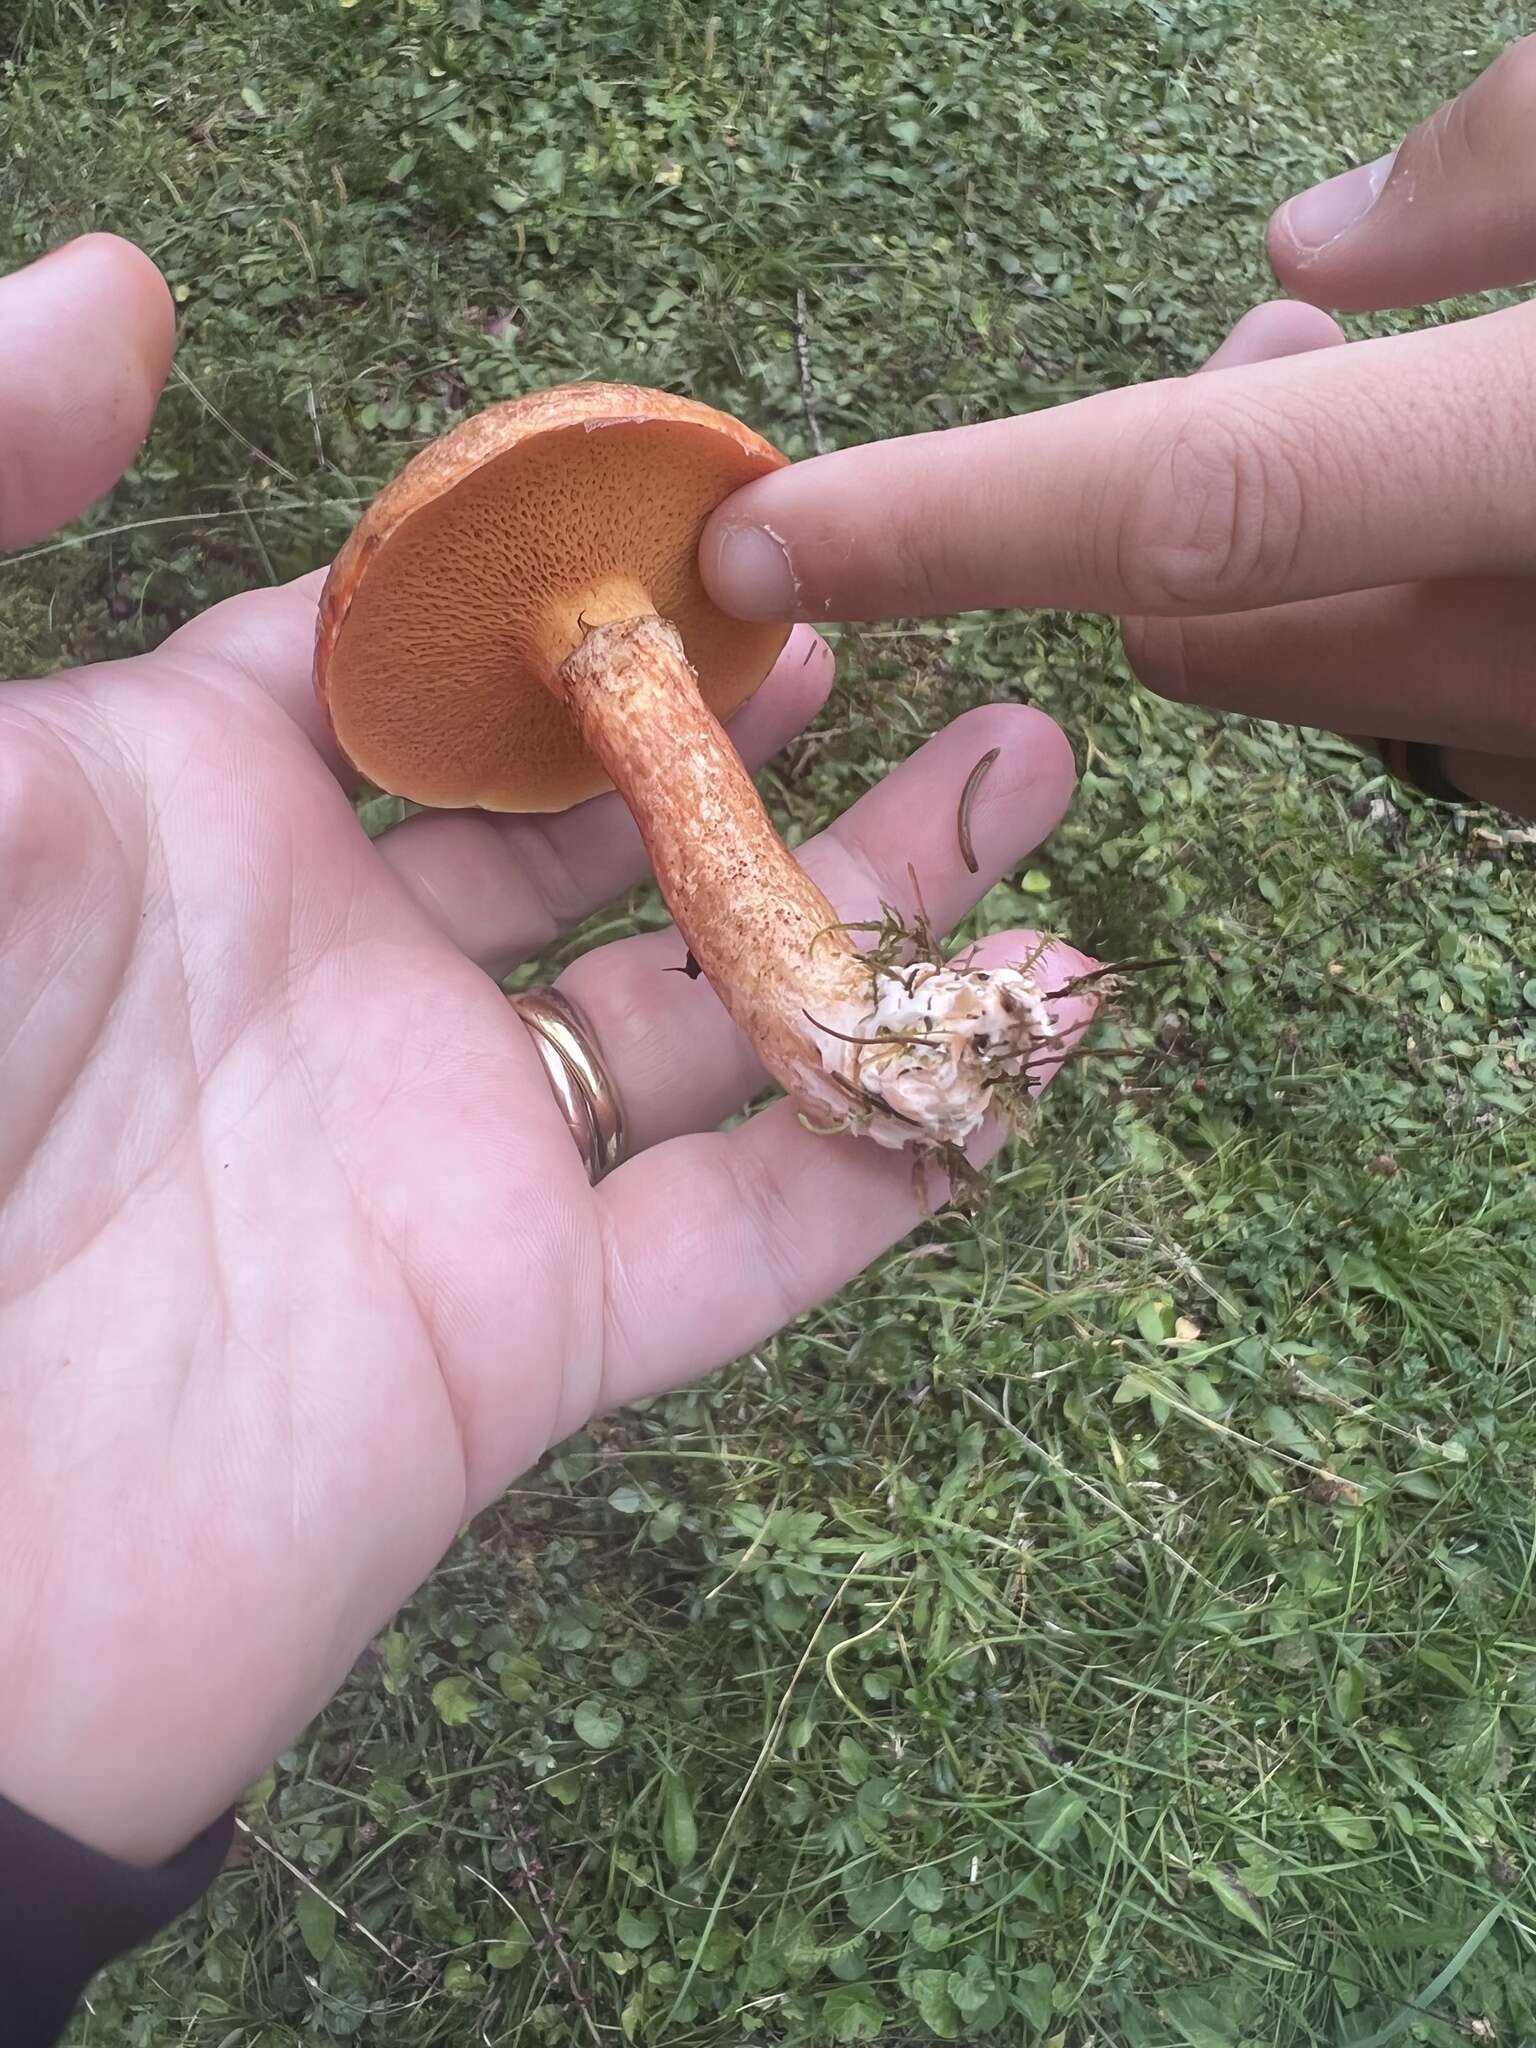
<point x="1110" y="1624"/>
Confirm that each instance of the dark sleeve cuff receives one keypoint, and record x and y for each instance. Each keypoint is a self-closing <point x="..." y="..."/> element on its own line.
<point x="1420" y="766"/>
<point x="67" y="1910"/>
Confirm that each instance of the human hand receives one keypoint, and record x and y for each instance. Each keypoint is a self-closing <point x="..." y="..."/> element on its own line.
<point x="299" y="1265"/>
<point x="1328" y="535"/>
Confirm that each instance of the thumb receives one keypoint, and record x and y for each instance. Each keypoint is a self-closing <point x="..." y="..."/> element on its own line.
<point x="86" y="335"/>
<point x="1452" y="211"/>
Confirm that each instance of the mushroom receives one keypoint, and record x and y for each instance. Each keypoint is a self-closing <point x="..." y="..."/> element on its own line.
<point x="518" y="622"/>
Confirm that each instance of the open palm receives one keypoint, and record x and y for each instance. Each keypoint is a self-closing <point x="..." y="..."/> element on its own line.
<point x="299" y="1265"/>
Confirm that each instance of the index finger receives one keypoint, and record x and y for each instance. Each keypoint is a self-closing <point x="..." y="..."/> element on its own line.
<point x="1337" y="470"/>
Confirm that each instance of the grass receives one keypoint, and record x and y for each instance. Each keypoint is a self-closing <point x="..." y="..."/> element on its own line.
<point x="1110" y="1623"/>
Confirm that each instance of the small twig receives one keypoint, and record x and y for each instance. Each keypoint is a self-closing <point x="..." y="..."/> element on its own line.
<point x="557" y="1947"/>
<point x="1141" y="1531"/>
<point x="85" y="540"/>
<point x="229" y="426"/>
<point x="880" y="1037"/>
<point x="699" y="1950"/>
<point x="850" y="1642"/>
<point x="1081" y="981"/>
<point x="853" y="924"/>
<point x="781" y="1715"/>
<point x="1367" y="902"/>
<point x="259" y="544"/>
<point x="807" y="380"/>
<point x="1055" y="1050"/>
<point x="412" y="1970"/>
<point x="973" y="782"/>
<point x="922" y="924"/>
<point x="314" y="421"/>
<point x="864" y="1100"/>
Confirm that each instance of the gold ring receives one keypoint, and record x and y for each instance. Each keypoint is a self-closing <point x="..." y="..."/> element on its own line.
<point x="580" y="1082"/>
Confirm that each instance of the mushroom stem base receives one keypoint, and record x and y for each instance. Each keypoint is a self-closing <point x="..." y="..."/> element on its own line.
<point x="910" y="1055"/>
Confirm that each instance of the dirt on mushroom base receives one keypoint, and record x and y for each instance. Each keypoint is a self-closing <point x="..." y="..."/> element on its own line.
<point x="933" y="1047"/>
<point x="900" y="959"/>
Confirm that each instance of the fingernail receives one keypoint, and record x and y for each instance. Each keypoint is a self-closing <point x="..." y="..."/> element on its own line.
<point x="752" y="576"/>
<point x="1317" y="217"/>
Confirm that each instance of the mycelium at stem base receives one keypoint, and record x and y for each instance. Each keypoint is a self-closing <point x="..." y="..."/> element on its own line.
<point x="908" y="1054"/>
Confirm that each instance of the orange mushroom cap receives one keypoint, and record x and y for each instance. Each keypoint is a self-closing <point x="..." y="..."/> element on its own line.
<point x="472" y="578"/>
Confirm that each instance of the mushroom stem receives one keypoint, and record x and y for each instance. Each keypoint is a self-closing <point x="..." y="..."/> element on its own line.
<point x="763" y="933"/>
<point x="906" y="1054"/>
